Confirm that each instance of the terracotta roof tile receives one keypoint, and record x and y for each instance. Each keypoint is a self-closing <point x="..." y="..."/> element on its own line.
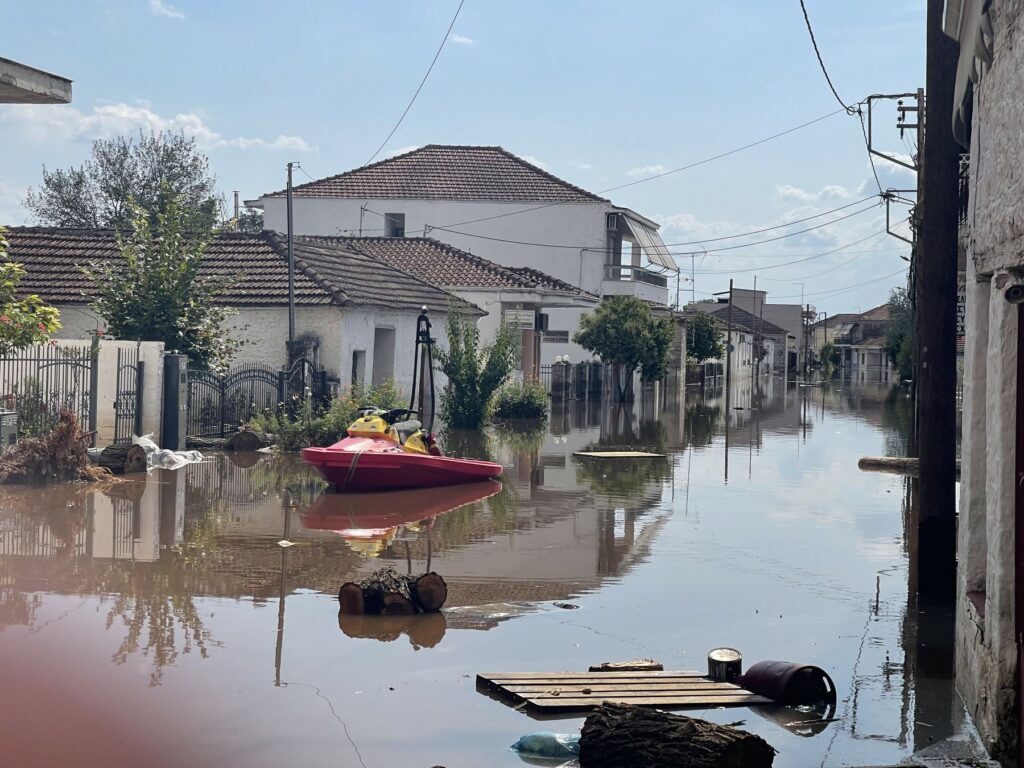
<point x="445" y="266"/>
<point x="256" y="266"/>
<point x="449" y="172"/>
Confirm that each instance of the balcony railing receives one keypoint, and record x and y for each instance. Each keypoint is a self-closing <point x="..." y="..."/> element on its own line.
<point x="634" y="274"/>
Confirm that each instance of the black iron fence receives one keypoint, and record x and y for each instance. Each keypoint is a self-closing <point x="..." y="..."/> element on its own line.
<point x="40" y="381"/>
<point x="577" y="381"/>
<point x="128" y="396"/>
<point x="220" y="404"/>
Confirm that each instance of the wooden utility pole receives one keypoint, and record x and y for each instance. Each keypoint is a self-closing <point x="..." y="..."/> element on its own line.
<point x="935" y="319"/>
<point x="291" y="272"/>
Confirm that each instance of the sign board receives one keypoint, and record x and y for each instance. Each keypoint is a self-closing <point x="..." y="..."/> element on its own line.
<point x="556" y="337"/>
<point x="961" y="310"/>
<point x="524" y="319"/>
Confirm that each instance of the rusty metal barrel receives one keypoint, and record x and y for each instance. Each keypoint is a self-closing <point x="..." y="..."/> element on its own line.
<point x="789" y="683"/>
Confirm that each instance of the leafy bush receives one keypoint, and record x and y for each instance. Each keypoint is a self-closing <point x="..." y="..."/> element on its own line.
<point x="305" y="424"/>
<point x="521" y="401"/>
<point x="474" y="372"/>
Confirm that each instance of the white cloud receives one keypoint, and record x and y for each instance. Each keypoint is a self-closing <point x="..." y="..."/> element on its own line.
<point x="582" y="166"/>
<point x="65" y="123"/>
<point x="534" y="161"/>
<point x="160" y="8"/>
<point x="646" y="170"/>
<point x="12" y="212"/>
<point x="462" y="39"/>
<point x="402" y="150"/>
<point x="828" y="192"/>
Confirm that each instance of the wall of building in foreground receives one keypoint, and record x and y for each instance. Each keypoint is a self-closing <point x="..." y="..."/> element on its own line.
<point x="986" y="648"/>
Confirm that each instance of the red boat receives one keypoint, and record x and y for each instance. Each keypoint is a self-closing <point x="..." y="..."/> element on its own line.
<point x="389" y="450"/>
<point x="376" y="464"/>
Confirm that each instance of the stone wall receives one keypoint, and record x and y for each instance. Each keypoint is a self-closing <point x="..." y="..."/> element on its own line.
<point x="986" y="648"/>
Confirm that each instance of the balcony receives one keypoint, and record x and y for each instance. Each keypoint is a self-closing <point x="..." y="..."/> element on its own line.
<point x="627" y="280"/>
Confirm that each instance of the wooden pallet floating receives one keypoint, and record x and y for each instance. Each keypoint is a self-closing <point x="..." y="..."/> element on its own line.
<point x="550" y="692"/>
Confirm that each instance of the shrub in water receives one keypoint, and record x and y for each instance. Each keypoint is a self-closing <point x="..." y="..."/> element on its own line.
<point x="308" y="424"/>
<point x="521" y="401"/>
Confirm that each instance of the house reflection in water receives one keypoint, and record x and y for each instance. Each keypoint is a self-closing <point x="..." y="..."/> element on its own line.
<point x="149" y="546"/>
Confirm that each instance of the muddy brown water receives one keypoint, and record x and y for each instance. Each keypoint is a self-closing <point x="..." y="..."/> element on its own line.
<point x="160" y="623"/>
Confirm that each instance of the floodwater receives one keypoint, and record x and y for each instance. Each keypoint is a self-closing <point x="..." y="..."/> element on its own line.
<point x="159" y="622"/>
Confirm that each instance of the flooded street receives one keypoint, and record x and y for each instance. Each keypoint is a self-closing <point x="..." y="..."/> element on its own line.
<point x="159" y="622"/>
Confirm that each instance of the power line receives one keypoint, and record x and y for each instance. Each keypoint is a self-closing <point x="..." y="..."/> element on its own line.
<point x="420" y="87"/>
<point x="790" y="263"/>
<point x="849" y="110"/>
<point x="644" y="180"/>
<point x="867" y="146"/>
<point x="689" y="242"/>
<point x="847" y="287"/>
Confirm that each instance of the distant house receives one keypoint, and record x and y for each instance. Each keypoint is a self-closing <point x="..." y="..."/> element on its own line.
<point x="487" y="199"/>
<point x="859" y="339"/>
<point x="753" y="344"/>
<point x="357" y="313"/>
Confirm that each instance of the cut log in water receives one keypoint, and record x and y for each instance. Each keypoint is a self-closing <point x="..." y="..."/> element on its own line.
<point x="392" y="593"/>
<point x="899" y="465"/>
<point x="430" y="591"/>
<point x="622" y="736"/>
<point x="123" y="457"/>
<point x="246" y="441"/>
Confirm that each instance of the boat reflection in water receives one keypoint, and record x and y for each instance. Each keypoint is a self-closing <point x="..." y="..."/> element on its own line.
<point x="371" y="521"/>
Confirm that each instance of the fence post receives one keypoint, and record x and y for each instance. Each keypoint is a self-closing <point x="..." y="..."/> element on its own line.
<point x="94" y="384"/>
<point x="140" y="378"/>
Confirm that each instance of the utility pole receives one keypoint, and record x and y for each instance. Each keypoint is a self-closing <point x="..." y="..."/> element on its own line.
<point x="754" y="348"/>
<point x="728" y="381"/>
<point x="236" y="211"/>
<point x="935" y="353"/>
<point x="291" y="271"/>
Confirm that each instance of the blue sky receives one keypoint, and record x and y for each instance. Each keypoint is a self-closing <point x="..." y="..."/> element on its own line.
<point x="600" y="93"/>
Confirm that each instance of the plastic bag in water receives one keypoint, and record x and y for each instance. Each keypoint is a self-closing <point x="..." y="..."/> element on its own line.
<point x="547" y="744"/>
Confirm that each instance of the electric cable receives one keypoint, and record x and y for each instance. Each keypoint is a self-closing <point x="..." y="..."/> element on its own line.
<point x="849" y="110"/>
<point x="687" y="167"/>
<point x="420" y="86"/>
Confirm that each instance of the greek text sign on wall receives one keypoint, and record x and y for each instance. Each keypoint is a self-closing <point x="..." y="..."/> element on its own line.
<point x="520" y="318"/>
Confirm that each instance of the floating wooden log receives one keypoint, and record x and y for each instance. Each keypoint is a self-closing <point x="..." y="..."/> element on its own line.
<point x="391" y="593"/>
<point x="899" y="465"/>
<point x="247" y="441"/>
<point x="123" y="457"/>
<point x="620" y="735"/>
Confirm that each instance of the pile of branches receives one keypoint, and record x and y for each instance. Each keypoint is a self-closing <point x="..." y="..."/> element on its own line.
<point x="58" y="456"/>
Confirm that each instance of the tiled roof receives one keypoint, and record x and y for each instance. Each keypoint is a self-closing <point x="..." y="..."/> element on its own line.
<point x="878" y="313"/>
<point x="834" y="321"/>
<point x="442" y="265"/>
<point x="449" y="172"/>
<point x="872" y="341"/>
<point x="255" y="267"/>
<point x="755" y="324"/>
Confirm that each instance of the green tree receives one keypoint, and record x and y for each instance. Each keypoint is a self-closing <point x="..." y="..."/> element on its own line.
<point x="830" y="358"/>
<point x="475" y="372"/>
<point x="26" y="320"/>
<point x="250" y="220"/>
<point x="156" y="290"/>
<point x="623" y="332"/>
<point x="125" y="173"/>
<point x="899" y="332"/>
<point x="703" y="339"/>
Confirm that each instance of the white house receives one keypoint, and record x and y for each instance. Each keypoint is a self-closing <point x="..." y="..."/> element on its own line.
<point x="485" y="199"/>
<point x="522" y="296"/>
<point x="988" y="112"/>
<point x="357" y="312"/>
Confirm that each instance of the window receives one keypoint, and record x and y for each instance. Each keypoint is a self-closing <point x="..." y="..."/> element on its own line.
<point x="394" y="225"/>
<point x="358" y="367"/>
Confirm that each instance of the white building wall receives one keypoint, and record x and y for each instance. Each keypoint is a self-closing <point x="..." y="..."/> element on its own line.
<point x="265" y="332"/>
<point x="577" y="225"/>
